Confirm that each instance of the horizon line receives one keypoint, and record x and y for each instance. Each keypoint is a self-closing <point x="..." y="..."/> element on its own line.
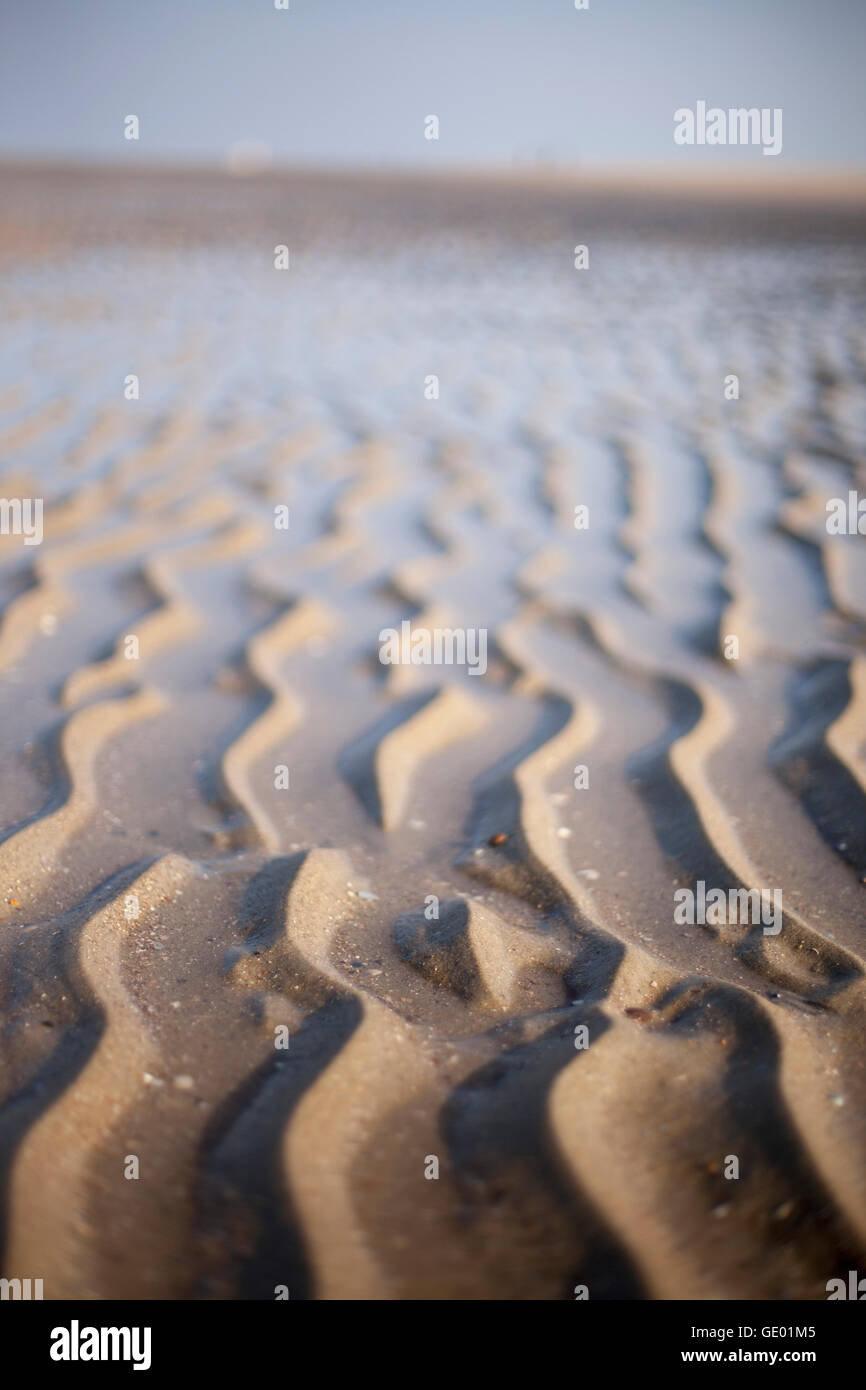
<point x="820" y="179"/>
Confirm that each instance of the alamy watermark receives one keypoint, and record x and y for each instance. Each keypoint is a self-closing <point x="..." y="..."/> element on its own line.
<point x="439" y="646"/>
<point x="22" y="516"/>
<point x="846" y="518"/>
<point x="854" y="1290"/>
<point x="739" y="125"/>
<point x="21" y="1289"/>
<point x="714" y="907"/>
<point x="77" y="1343"/>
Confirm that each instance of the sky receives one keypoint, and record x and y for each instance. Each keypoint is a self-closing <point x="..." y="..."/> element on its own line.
<point x="350" y="82"/>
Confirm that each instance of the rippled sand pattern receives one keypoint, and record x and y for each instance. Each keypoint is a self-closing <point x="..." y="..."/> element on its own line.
<point x="168" y="907"/>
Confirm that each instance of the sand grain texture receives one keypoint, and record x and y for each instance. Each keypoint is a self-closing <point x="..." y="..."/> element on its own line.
<point x="169" y="907"/>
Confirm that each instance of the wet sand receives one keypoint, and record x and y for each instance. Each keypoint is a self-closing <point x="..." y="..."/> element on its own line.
<point x="224" y="835"/>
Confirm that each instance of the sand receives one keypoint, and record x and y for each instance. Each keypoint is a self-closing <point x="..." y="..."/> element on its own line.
<point x="242" y="1058"/>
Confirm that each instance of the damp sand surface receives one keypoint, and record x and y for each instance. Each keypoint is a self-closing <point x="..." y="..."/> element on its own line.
<point x="227" y="826"/>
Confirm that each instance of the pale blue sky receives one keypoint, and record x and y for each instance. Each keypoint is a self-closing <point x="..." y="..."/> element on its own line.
<point x="349" y="82"/>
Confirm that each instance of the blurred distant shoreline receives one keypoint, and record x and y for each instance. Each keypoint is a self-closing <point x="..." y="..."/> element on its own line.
<point x="45" y="203"/>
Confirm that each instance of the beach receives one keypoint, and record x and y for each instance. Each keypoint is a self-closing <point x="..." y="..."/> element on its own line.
<point x="327" y="973"/>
